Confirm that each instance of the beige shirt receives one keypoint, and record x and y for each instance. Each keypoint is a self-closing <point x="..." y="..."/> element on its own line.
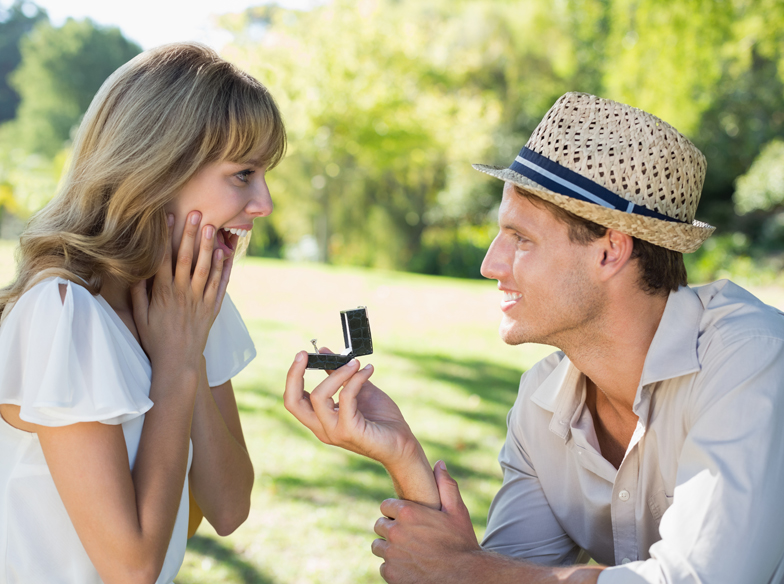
<point x="699" y="496"/>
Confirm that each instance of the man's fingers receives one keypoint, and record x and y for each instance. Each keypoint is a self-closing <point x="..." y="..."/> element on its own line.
<point x="347" y="399"/>
<point x="182" y="273"/>
<point x="382" y="526"/>
<point x="295" y="385"/>
<point x="204" y="263"/>
<point x="379" y="548"/>
<point x="451" y="500"/>
<point x="296" y="400"/>
<point x="391" y="507"/>
<point x="321" y="396"/>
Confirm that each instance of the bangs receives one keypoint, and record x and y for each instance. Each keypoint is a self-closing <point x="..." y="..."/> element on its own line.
<point x="251" y="129"/>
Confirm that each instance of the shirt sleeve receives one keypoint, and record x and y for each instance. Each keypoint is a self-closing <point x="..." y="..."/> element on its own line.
<point x="520" y="521"/>
<point x="725" y="521"/>
<point x="61" y="362"/>
<point x="229" y="346"/>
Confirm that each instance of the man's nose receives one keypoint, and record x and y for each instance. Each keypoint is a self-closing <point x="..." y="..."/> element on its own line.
<point x="493" y="267"/>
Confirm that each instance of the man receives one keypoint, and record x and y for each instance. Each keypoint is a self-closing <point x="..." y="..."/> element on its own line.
<point x="652" y="440"/>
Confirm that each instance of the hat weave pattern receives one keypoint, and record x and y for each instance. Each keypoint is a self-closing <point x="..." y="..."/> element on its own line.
<point x="630" y="152"/>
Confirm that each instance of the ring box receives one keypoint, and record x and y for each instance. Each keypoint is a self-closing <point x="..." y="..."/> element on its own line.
<point x="356" y="337"/>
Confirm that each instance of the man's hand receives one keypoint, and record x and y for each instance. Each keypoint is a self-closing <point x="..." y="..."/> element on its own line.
<point x="424" y="545"/>
<point x="366" y="421"/>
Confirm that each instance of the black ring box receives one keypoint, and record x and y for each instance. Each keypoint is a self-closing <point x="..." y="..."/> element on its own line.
<point x="356" y="337"/>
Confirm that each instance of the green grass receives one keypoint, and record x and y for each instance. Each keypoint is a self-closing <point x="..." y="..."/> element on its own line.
<point x="437" y="354"/>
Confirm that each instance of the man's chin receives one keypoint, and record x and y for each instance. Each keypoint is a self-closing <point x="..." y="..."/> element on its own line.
<point x="511" y="334"/>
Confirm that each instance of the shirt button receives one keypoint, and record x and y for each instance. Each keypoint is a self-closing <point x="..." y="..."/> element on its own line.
<point x="623" y="495"/>
<point x="625" y="560"/>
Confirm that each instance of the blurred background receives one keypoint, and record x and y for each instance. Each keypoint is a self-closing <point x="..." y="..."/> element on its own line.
<point x="387" y="103"/>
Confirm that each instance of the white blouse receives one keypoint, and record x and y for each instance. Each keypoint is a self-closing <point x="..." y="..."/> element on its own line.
<point x="68" y="362"/>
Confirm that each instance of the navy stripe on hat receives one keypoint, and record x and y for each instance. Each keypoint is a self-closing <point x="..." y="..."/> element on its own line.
<point x="564" y="181"/>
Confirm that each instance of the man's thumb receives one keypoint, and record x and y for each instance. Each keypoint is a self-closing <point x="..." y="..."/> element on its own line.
<point x="447" y="489"/>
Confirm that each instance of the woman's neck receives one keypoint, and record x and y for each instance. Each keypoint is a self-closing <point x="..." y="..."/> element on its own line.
<point x="118" y="295"/>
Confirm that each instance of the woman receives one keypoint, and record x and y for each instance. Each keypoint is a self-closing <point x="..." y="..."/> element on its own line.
<point x="117" y="347"/>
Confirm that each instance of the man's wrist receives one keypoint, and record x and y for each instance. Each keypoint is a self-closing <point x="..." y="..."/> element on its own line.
<point x="413" y="477"/>
<point x="409" y="455"/>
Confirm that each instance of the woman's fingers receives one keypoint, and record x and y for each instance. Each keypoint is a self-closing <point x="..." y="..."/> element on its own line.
<point x="140" y="302"/>
<point x="164" y="273"/>
<point x="182" y="273"/>
<point x="226" y="266"/>
<point x="212" y="289"/>
<point x="204" y="264"/>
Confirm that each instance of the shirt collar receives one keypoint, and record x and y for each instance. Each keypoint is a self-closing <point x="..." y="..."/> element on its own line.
<point x="673" y="353"/>
<point x="561" y="403"/>
<point x="673" y="350"/>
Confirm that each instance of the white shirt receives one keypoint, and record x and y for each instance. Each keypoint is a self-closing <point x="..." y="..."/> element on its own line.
<point x="699" y="496"/>
<point x="74" y="361"/>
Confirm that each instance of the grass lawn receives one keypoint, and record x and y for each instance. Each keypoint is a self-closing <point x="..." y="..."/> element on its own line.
<point x="437" y="354"/>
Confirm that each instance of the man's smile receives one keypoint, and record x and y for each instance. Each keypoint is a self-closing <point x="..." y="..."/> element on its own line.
<point x="510" y="299"/>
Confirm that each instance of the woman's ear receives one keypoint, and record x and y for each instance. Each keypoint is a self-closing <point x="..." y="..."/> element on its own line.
<point x="616" y="250"/>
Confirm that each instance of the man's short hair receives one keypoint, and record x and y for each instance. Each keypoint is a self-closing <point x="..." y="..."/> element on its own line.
<point x="660" y="269"/>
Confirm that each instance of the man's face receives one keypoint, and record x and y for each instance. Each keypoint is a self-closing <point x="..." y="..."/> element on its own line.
<point x="551" y="295"/>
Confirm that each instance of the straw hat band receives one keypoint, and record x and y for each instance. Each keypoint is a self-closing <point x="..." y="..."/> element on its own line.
<point x="617" y="166"/>
<point x="564" y="181"/>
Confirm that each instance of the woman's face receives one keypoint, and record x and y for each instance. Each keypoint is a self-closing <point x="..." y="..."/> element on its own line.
<point x="229" y="196"/>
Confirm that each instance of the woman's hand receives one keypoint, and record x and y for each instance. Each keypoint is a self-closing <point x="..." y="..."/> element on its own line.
<point x="175" y="319"/>
<point x="366" y="421"/>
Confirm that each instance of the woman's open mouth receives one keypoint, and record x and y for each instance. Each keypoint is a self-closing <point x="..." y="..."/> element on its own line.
<point x="228" y="238"/>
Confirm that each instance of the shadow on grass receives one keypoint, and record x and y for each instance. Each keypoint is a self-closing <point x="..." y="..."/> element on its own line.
<point x="227" y="557"/>
<point x="492" y="382"/>
<point x="350" y="480"/>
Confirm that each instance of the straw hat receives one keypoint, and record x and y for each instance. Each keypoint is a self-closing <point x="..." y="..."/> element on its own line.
<point x="617" y="166"/>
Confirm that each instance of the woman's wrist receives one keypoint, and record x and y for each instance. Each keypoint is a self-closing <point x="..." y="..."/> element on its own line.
<point x="175" y="377"/>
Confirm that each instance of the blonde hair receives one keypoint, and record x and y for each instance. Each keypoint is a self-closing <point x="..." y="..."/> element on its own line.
<point x="152" y="125"/>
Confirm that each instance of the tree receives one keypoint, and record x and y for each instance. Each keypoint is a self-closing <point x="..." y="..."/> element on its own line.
<point x="15" y="22"/>
<point x="60" y="71"/>
<point x="387" y="103"/>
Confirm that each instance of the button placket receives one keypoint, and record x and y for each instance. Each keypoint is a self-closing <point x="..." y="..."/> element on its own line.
<point x="622" y="509"/>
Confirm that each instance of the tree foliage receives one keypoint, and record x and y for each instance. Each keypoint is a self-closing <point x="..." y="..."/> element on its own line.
<point x="762" y="187"/>
<point x="388" y="101"/>
<point x="60" y="71"/>
<point x="15" y="22"/>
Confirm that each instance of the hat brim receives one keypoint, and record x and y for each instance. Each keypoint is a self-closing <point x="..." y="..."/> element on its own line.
<point x="682" y="237"/>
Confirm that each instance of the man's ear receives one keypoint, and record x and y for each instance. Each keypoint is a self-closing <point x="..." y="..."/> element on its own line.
<point x="615" y="250"/>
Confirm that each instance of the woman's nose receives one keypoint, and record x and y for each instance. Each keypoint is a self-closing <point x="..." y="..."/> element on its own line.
<point x="260" y="204"/>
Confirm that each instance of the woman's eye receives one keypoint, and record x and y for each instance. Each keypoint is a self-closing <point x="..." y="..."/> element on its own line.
<point x="243" y="175"/>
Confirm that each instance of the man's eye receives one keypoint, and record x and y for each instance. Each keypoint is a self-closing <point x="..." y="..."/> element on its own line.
<point x="244" y="174"/>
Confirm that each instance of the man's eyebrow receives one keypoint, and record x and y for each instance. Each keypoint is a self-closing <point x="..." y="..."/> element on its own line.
<point x="511" y="227"/>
